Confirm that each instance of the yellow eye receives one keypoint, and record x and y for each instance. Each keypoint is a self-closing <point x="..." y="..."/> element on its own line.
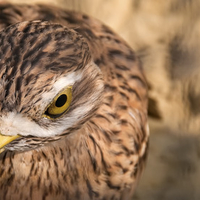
<point x="60" y="104"/>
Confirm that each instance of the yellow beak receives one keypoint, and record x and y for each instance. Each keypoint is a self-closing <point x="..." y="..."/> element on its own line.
<point x="4" y="140"/>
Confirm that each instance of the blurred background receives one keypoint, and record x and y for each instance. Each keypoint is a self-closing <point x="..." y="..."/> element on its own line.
<point x="166" y="37"/>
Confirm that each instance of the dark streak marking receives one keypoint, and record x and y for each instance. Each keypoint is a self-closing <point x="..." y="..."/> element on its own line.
<point x="90" y="191"/>
<point x="111" y="186"/>
<point x="122" y="67"/>
<point x="142" y="82"/>
<point x="103" y="117"/>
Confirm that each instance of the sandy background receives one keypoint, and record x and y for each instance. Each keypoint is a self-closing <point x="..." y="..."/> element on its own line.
<point x="166" y="37"/>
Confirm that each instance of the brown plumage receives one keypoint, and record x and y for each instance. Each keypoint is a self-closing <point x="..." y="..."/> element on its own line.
<point x="96" y="147"/>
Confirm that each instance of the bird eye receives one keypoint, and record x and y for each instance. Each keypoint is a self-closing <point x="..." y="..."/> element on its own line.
<point x="60" y="104"/>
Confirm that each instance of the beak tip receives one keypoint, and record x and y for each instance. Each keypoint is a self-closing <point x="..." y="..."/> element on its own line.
<point x="4" y="140"/>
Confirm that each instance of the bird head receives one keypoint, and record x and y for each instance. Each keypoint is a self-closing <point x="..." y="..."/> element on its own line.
<point x="49" y="84"/>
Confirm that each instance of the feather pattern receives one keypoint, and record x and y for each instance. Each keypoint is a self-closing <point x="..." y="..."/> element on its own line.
<point x="97" y="149"/>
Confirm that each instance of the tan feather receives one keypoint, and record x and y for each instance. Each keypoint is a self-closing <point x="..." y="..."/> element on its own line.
<point x="100" y="144"/>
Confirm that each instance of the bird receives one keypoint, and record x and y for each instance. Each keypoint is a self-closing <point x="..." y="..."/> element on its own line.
<point x="73" y="107"/>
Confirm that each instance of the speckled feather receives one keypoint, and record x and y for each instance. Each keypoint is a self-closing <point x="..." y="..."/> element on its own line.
<point x="102" y="153"/>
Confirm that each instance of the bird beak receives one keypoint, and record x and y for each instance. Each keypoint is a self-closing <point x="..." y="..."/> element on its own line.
<point x="4" y="140"/>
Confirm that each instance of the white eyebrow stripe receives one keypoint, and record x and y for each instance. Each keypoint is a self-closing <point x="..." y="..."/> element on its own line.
<point x="69" y="79"/>
<point x="59" y="85"/>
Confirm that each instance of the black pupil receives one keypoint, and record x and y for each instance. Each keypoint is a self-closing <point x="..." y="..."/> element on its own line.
<point x="61" y="100"/>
